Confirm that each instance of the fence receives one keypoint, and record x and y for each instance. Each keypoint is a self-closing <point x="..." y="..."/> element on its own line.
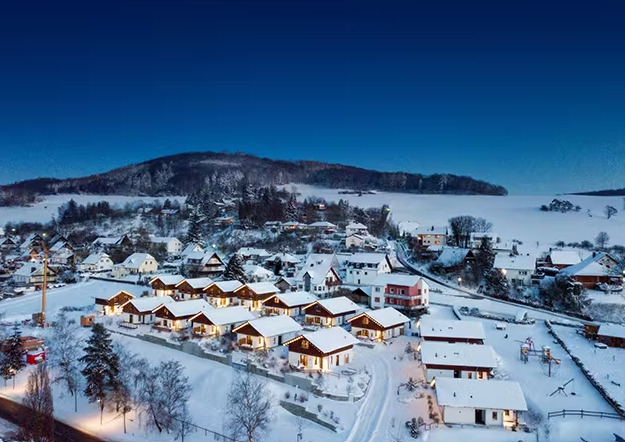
<point x="585" y="413"/>
<point x="216" y="436"/>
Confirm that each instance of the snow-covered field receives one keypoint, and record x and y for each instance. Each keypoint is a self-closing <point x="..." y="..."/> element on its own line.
<point x="513" y="216"/>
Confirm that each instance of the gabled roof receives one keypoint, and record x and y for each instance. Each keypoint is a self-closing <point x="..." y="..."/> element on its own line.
<point x="612" y="331"/>
<point x="444" y="328"/>
<point x="323" y="224"/>
<point x="458" y="355"/>
<point x="192" y="248"/>
<point x="168" y="279"/>
<point x="385" y="279"/>
<point x="355" y="226"/>
<point x="163" y="239"/>
<point x="228" y="286"/>
<point x="108" y="298"/>
<point x="252" y="251"/>
<point x="94" y="258"/>
<point x="226" y="315"/>
<point x="564" y="257"/>
<point x="317" y="266"/>
<point x="471" y="393"/>
<point x="430" y="230"/>
<point x="268" y="326"/>
<point x="368" y="258"/>
<point x="514" y="262"/>
<point x="197" y="283"/>
<point x="284" y="257"/>
<point x="336" y="306"/>
<point x="31" y="268"/>
<point x="135" y="260"/>
<point x="148" y="303"/>
<point x="186" y="308"/>
<point x="328" y="340"/>
<point x="262" y="288"/>
<point x="203" y="257"/>
<point x="109" y="240"/>
<point x="450" y="256"/>
<point x="591" y="267"/>
<point x="386" y="317"/>
<point x="294" y="299"/>
<point x="257" y="271"/>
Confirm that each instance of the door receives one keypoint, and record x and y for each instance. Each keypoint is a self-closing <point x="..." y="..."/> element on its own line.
<point x="480" y="417"/>
<point x="303" y="361"/>
<point x="130" y="318"/>
<point x="456" y="373"/>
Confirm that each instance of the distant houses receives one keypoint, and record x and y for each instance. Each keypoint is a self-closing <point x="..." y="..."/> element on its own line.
<point x="96" y="262"/>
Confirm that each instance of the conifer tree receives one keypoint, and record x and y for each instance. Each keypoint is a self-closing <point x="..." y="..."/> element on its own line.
<point x="194" y="234"/>
<point x="13" y="355"/>
<point x="234" y="269"/>
<point x="291" y="211"/>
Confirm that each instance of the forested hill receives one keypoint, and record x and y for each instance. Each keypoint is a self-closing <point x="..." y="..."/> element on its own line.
<point x="607" y="192"/>
<point x="226" y="173"/>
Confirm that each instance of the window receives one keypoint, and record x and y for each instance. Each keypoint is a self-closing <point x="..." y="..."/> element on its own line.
<point x="376" y="299"/>
<point x="470" y="375"/>
<point x="506" y="413"/>
<point x="304" y="343"/>
<point x="495" y="415"/>
<point x="365" y="320"/>
<point x="402" y="291"/>
<point x="377" y="289"/>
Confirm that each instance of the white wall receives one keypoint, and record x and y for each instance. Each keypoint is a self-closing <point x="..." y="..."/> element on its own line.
<point x="456" y="415"/>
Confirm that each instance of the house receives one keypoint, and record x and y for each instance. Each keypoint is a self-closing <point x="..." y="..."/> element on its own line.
<point x="175" y="316"/>
<point x="458" y="360"/>
<point x="96" y="262"/>
<point x="171" y="244"/>
<point x="612" y="335"/>
<point x="286" y="284"/>
<point x="468" y="401"/>
<point x="201" y="264"/>
<point x="219" y="321"/>
<point x="166" y="285"/>
<point x="141" y="310"/>
<point x="287" y="260"/>
<point x="322" y="350"/>
<point x="405" y="292"/>
<point x="288" y="304"/>
<point x="322" y="226"/>
<point x="253" y="254"/>
<point x="293" y="225"/>
<point x="61" y="247"/>
<point x="561" y="259"/>
<point x="192" y="288"/>
<point x="257" y="273"/>
<point x="431" y="236"/>
<point x="266" y="332"/>
<point x="355" y="241"/>
<point x="7" y="244"/>
<point x="471" y="332"/>
<point x="137" y="263"/>
<point x="62" y="258"/>
<point x="379" y="325"/>
<point x="32" y="241"/>
<point x="319" y="276"/>
<point x="363" y="268"/>
<point x="451" y="257"/>
<point x="476" y="239"/>
<point x="598" y="271"/>
<point x="330" y="312"/>
<point x="191" y="248"/>
<point x="32" y="274"/>
<point x="253" y="294"/>
<point x="222" y="293"/>
<point x="518" y="269"/>
<point x="356" y="229"/>
<point x="112" y="305"/>
<point x="112" y="243"/>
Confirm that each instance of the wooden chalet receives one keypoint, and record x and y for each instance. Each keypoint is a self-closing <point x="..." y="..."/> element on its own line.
<point x="112" y="305"/>
<point x="266" y="332"/>
<point x="141" y="310"/>
<point x="219" y="321"/>
<point x="166" y="285"/>
<point x="330" y="312"/>
<point x="252" y="295"/>
<point x="321" y="350"/>
<point x="379" y="325"/>
<point x="466" y="361"/>
<point x="289" y="304"/>
<point x="193" y="288"/>
<point x="175" y="316"/>
<point x="222" y="293"/>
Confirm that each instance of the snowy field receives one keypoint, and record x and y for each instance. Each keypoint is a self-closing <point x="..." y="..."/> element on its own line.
<point x="513" y="216"/>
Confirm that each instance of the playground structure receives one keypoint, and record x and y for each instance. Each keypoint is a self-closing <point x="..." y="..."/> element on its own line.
<point x="547" y="360"/>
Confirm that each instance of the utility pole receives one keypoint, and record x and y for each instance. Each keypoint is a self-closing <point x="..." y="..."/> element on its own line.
<point x="45" y="286"/>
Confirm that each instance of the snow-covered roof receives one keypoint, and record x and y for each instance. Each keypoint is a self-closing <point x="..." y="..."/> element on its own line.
<point x="262" y="288"/>
<point x="323" y="224"/>
<point x="135" y="260"/>
<point x="274" y="325"/>
<point x="94" y="258"/>
<point x="472" y="393"/>
<point x="386" y="317"/>
<point x="385" y="279"/>
<point x="444" y="328"/>
<point x="354" y="226"/>
<point x="251" y="251"/>
<point x="337" y="306"/>
<point x="228" y="286"/>
<point x="367" y="258"/>
<point x="514" y="262"/>
<point x="149" y="303"/>
<point x="29" y="269"/>
<point x="187" y="308"/>
<point x="330" y="339"/>
<point x="591" y="266"/>
<point x="467" y="355"/>
<point x="430" y="230"/>
<point x="168" y="279"/>
<point x="191" y="248"/>
<point x="564" y="257"/>
<point x="284" y="257"/>
<point x="294" y="299"/>
<point x="163" y="239"/>
<point x="255" y="270"/>
<point x="226" y="315"/>
<point x="108" y="240"/>
<point x="612" y="330"/>
<point x="203" y="257"/>
<point x="59" y="245"/>
<point x="197" y="283"/>
<point x="451" y="256"/>
<point x="317" y="266"/>
<point x="108" y="297"/>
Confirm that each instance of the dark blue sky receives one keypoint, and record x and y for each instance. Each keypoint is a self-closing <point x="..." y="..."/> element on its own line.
<point x="530" y="95"/>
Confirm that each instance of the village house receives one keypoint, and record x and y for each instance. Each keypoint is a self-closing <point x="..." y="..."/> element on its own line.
<point x="200" y="264"/>
<point x="405" y="292"/>
<point x="517" y="269"/>
<point x="7" y="244"/>
<point x="286" y="284"/>
<point x="363" y="268"/>
<point x="561" y="259"/>
<point x="172" y="245"/>
<point x="355" y="241"/>
<point x="266" y="332"/>
<point x="288" y="304"/>
<point x="253" y="254"/>
<point x="256" y="273"/>
<point x="112" y="305"/>
<point x="61" y="247"/>
<point x="96" y="262"/>
<point x="166" y="285"/>
<point x="471" y="332"/>
<point x="430" y="236"/>
<point x="598" y="271"/>
<point x="379" y="325"/>
<point x="293" y="225"/>
<point x="253" y="294"/>
<point x="62" y="258"/>
<point x="222" y="293"/>
<point x="454" y="257"/>
<point x="31" y="274"/>
<point x="319" y="276"/>
<point x="112" y="243"/>
<point x="467" y="361"/>
<point x="191" y="248"/>
<point x="137" y="263"/>
<point x="175" y="316"/>
<point x="32" y="241"/>
<point x="322" y="227"/>
<point x="472" y="402"/>
<point x="356" y="229"/>
<point x="330" y="312"/>
<point x="219" y="321"/>
<point x="192" y="288"/>
<point x="141" y="310"/>
<point x="322" y="350"/>
<point x="288" y="262"/>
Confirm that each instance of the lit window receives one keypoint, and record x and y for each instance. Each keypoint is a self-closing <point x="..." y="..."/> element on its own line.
<point x="304" y="343"/>
<point x="365" y="320"/>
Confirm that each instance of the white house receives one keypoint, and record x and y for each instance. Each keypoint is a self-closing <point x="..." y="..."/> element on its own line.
<point x="330" y="312"/>
<point x="323" y="350"/>
<point x="445" y="330"/>
<point x="191" y="248"/>
<point x="135" y="264"/>
<point x="319" y="276"/>
<point x="266" y="332"/>
<point x="175" y="316"/>
<point x="379" y="325"/>
<point x="431" y="236"/>
<point x="356" y="229"/>
<point x="32" y="274"/>
<point x="472" y="402"/>
<point x="96" y="262"/>
<point x="289" y="303"/>
<point x="355" y="240"/>
<point x="257" y="273"/>
<point x="172" y="245"/>
<point x="141" y="310"/>
<point x="322" y="226"/>
<point x="405" y="292"/>
<point x="467" y="361"/>
<point x="253" y="253"/>
<point x="219" y="321"/>
<point x="518" y="269"/>
<point x="363" y="268"/>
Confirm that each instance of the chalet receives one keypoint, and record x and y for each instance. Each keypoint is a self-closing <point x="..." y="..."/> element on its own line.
<point x="112" y="305"/>
<point x="253" y="254"/>
<point x="267" y="332"/>
<point x="7" y="244"/>
<point x="166" y="285"/>
<point x="319" y="275"/>
<point x="33" y="255"/>
<point x="256" y="273"/>
<point x="360" y="295"/>
<point x="363" y="268"/>
<point x="253" y="294"/>
<point x="32" y="274"/>
<point x="356" y="229"/>
<point x="330" y="312"/>
<point x="288" y="304"/>
<point x="562" y="259"/>
<point x="476" y="239"/>
<point x="430" y="236"/>
<point x="222" y="293"/>
<point x="192" y="288"/>
<point x="471" y="332"/>
<point x="468" y="401"/>
<point x="112" y="243"/>
<point x="141" y="310"/>
<point x="321" y="350"/>
<point x="379" y="325"/>
<point x="599" y="271"/>
<point x="219" y="321"/>
<point x="405" y="292"/>
<point x="286" y="284"/>
<point x="96" y="262"/>
<point x="137" y="263"/>
<point x="518" y="269"/>
<point x="175" y="316"/>
<point x="612" y="335"/>
<point x="467" y="361"/>
<point x="32" y="241"/>
<point x="200" y="264"/>
<point x="452" y="257"/>
<point x="171" y="244"/>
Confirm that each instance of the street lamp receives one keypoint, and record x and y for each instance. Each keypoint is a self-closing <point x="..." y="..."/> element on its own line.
<point x="459" y="280"/>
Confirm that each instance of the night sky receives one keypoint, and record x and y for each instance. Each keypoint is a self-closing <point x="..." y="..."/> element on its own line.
<point x="529" y="95"/>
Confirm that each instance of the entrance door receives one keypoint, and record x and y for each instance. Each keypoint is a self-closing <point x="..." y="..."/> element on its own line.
<point x="456" y="373"/>
<point x="480" y="417"/>
<point x="130" y="318"/>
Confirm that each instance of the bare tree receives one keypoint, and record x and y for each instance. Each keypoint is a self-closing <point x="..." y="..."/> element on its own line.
<point x="38" y="423"/>
<point x="602" y="240"/>
<point x="65" y="348"/>
<point x="250" y="407"/>
<point x="610" y="211"/>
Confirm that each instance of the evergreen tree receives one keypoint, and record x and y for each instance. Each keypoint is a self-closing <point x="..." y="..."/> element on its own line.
<point x="291" y="211"/>
<point x="194" y="234"/>
<point x="277" y="267"/>
<point x="484" y="258"/>
<point x="101" y="367"/>
<point x="13" y="355"/>
<point x="234" y="269"/>
<point x="38" y="424"/>
<point x="497" y="283"/>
